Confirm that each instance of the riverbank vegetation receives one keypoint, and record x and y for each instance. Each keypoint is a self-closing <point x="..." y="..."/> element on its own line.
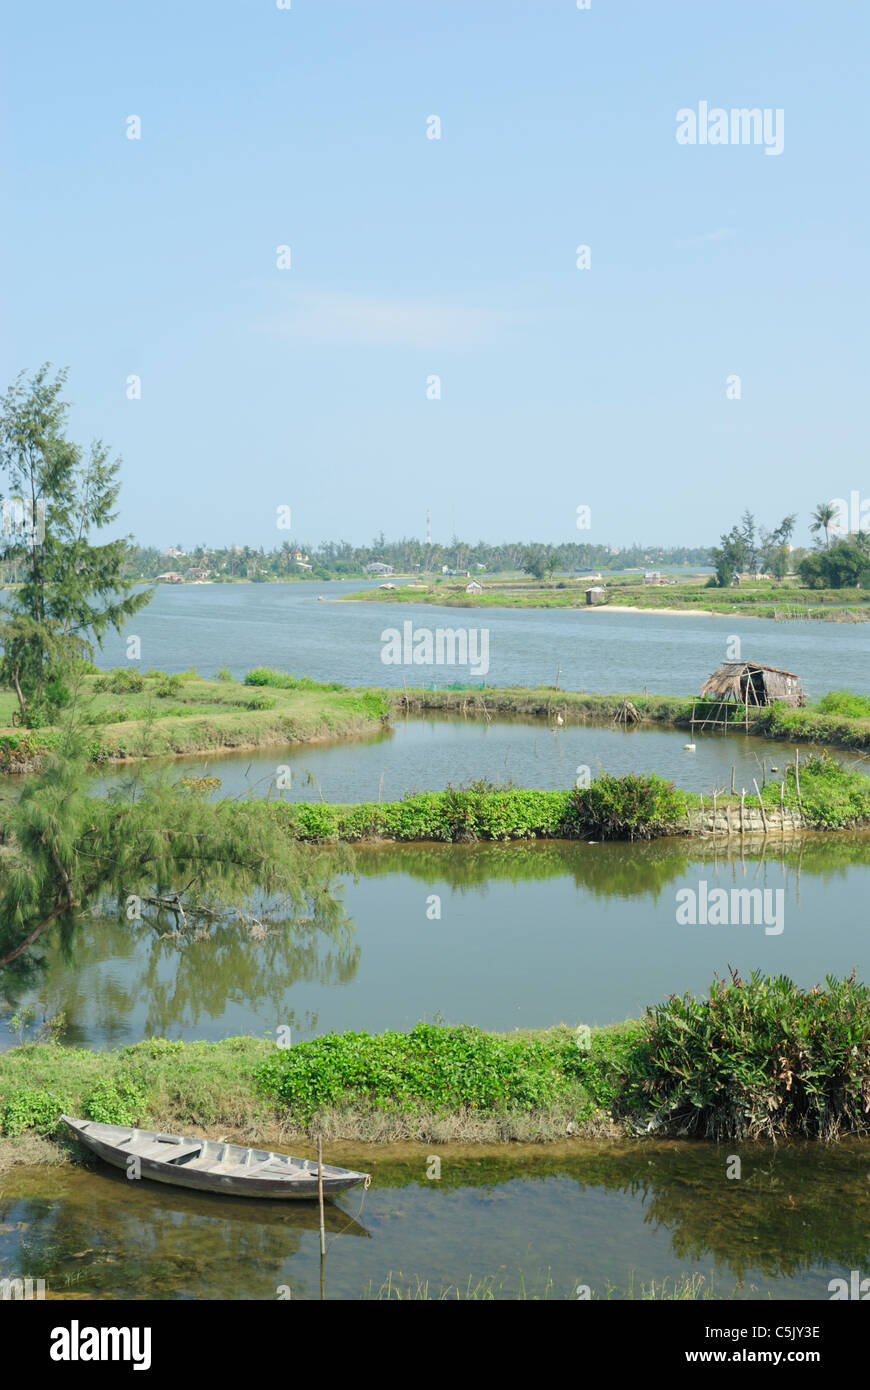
<point x="822" y="794"/>
<point x="786" y="599"/>
<point x="757" y="1058"/>
<point x="64" y="849"/>
<point x="126" y="714"/>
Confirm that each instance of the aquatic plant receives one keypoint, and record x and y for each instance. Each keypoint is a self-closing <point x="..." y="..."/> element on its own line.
<point x="757" y="1057"/>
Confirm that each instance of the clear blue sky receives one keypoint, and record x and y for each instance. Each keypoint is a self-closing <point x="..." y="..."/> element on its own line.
<point x="412" y="257"/>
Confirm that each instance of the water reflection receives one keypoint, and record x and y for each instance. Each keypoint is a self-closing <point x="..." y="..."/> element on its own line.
<point x="613" y="1216"/>
<point x="528" y="935"/>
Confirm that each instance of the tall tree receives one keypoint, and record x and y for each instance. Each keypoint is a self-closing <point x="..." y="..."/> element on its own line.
<point x="823" y="517"/>
<point x="73" y="590"/>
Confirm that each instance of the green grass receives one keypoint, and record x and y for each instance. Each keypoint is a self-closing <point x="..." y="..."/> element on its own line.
<point x="760" y="598"/>
<point x="133" y="714"/>
<point x="756" y="1058"/>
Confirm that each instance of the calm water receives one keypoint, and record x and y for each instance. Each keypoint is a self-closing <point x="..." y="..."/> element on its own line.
<point x="283" y="625"/>
<point x="529" y="935"/>
<point x="613" y="1218"/>
<point x="430" y="754"/>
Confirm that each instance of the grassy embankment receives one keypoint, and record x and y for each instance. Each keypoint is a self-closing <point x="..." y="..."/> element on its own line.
<point x="135" y="715"/>
<point x="754" y="1059"/>
<point x="154" y="715"/>
<point x="637" y="806"/>
<point x="840" y="719"/>
<point x="762" y="598"/>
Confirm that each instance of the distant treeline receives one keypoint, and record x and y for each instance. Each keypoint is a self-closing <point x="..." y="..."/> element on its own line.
<point x="337" y="559"/>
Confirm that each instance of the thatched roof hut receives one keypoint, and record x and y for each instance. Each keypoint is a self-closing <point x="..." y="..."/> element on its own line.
<point x="749" y="682"/>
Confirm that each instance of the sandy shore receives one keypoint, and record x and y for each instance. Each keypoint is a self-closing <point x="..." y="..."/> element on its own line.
<point x="676" y="612"/>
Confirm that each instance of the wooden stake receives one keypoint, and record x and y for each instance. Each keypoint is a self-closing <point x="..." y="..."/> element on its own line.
<point x="733" y="773"/>
<point x="761" y="804"/>
<point x="320" y="1194"/>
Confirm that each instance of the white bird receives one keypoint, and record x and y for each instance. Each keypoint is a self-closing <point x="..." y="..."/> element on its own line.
<point x="559" y="719"/>
<point x="689" y="747"/>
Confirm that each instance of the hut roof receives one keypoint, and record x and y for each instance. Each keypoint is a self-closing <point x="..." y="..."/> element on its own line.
<point x="725" y="680"/>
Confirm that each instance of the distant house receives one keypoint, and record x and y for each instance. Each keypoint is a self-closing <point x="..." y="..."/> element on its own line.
<point x="173" y="553"/>
<point x="597" y="594"/>
<point x="652" y="577"/>
<point x="377" y="567"/>
<point x="388" y="586"/>
<point x="474" y="587"/>
<point x="170" y="577"/>
<point x="198" y="573"/>
<point x="301" y="565"/>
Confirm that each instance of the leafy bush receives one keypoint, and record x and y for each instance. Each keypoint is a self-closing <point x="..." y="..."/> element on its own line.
<point x="636" y="806"/>
<point x="756" y="1058"/>
<point x="831" y="795"/>
<point x="224" y="674"/>
<point x="847" y="702"/>
<point x="122" y="680"/>
<point x="256" y="702"/>
<point x="281" y="680"/>
<point x="114" y="1101"/>
<point x="466" y="814"/>
<point x="31" y="1108"/>
<point x="432" y="1068"/>
<point x="168" y="686"/>
<point x="25" y="747"/>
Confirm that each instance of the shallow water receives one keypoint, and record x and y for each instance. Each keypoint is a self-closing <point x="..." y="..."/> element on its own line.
<point x="548" y="1220"/>
<point x="429" y="754"/>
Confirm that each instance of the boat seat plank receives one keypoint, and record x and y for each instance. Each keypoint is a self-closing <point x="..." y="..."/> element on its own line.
<point x="268" y="1168"/>
<point x="165" y="1153"/>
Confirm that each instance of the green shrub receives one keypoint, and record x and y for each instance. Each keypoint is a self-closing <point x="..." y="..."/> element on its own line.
<point x="114" y="1101"/>
<point x="122" y="680"/>
<point x="281" y="680"/>
<point x="754" y="1058"/>
<point x="636" y="806"/>
<point x="31" y="1108"/>
<point x="167" y="687"/>
<point x="832" y="796"/>
<point x="224" y="674"/>
<point x="847" y="702"/>
<point x="432" y="1068"/>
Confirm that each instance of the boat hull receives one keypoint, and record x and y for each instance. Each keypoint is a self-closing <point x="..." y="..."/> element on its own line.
<point x="275" y="1186"/>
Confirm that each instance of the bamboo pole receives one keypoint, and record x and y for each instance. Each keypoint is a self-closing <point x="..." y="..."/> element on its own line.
<point x="733" y="774"/>
<point x="320" y="1195"/>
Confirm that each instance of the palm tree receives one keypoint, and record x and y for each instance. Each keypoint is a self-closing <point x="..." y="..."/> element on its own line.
<point x="824" y="514"/>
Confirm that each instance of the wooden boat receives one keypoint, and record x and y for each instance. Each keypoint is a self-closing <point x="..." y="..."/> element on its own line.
<point x="210" y="1165"/>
